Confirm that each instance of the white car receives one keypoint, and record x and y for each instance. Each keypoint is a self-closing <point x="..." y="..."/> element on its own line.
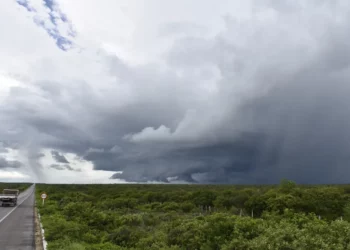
<point x="9" y="197"/>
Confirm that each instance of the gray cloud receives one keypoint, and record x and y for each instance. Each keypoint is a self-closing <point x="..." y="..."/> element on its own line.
<point x="64" y="167"/>
<point x="9" y="164"/>
<point x="57" y="166"/>
<point x="264" y="99"/>
<point x="59" y="157"/>
<point x="36" y="155"/>
<point x="3" y="148"/>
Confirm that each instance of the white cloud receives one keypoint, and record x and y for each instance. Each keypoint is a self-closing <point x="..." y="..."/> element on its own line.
<point x="82" y="171"/>
<point x="160" y="134"/>
<point x="13" y="176"/>
<point x="6" y="83"/>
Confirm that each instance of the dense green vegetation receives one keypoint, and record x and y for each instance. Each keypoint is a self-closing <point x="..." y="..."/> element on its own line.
<point x="20" y="186"/>
<point x="287" y="216"/>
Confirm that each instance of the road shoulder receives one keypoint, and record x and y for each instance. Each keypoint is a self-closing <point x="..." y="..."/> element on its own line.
<point x="39" y="245"/>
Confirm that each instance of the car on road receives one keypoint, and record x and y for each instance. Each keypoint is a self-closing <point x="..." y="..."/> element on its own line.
<point x="9" y="197"/>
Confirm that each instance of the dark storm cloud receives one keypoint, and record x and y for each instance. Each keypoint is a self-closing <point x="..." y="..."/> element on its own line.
<point x="104" y="160"/>
<point x="9" y="164"/>
<point x="277" y="105"/>
<point x="59" y="157"/>
<point x="220" y="161"/>
<point x="311" y="126"/>
<point x="298" y="127"/>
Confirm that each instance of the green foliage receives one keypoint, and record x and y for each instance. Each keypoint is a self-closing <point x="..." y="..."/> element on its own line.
<point x="346" y="211"/>
<point x="204" y="198"/>
<point x="174" y="217"/>
<point x="287" y="185"/>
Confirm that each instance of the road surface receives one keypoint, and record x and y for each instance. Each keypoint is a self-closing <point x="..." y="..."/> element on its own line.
<point x="17" y="223"/>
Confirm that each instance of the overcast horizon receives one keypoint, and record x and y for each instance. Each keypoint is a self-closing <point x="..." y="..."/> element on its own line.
<point x="186" y="91"/>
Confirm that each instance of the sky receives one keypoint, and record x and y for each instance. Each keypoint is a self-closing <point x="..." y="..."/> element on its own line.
<point x="188" y="91"/>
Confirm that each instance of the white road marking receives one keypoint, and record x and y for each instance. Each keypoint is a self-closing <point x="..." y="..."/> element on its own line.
<point x="16" y="207"/>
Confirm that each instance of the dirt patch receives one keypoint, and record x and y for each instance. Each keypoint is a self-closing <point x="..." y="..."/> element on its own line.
<point x="38" y="237"/>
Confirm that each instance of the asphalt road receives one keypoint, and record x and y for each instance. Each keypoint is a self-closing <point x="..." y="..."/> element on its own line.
<point x="17" y="223"/>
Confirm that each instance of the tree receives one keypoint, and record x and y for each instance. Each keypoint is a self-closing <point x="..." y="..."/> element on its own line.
<point x="287" y="185"/>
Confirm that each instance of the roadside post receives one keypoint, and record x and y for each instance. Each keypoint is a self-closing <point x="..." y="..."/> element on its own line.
<point x="43" y="196"/>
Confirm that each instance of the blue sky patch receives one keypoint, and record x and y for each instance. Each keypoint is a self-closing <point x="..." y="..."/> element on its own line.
<point x="24" y="3"/>
<point x="55" y="13"/>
